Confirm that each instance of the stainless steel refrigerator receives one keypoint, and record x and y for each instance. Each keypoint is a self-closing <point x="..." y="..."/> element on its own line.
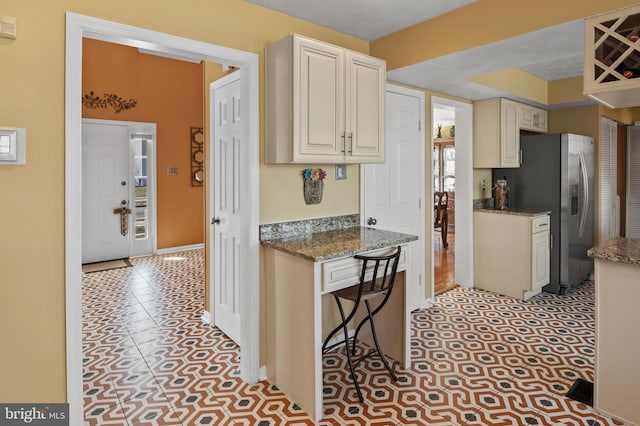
<point x="557" y="174"/>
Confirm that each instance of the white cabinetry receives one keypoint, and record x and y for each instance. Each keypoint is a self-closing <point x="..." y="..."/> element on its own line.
<point x="532" y="118"/>
<point x="496" y="131"/>
<point x="324" y="103"/>
<point x="617" y="376"/>
<point x="612" y="57"/>
<point x="511" y="253"/>
<point x="540" y="252"/>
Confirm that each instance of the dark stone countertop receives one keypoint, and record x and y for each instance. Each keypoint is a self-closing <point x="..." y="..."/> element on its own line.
<point x="321" y="246"/>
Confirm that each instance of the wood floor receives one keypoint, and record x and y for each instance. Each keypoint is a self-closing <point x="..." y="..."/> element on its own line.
<point x="443" y="261"/>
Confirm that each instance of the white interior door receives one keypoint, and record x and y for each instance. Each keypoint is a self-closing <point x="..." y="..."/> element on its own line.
<point x="393" y="192"/>
<point x="227" y="211"/>
<point x="105" y="187"/>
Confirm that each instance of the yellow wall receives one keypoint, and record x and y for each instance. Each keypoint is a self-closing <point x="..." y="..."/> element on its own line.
<point x="170" y="94"/>
<point x="566" y="90"/>
<point x="517" y="82"/>
<point x="481" y="23"/>
<point x="32" y="303"/>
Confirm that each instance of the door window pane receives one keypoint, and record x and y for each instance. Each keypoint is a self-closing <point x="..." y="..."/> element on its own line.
<point x="141" y="195"/>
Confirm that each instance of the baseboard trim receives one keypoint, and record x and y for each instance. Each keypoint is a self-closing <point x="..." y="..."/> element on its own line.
<point x="181" y="248"/>
<point x="262" y="373"/>
<point x="428" y="303"/>
<point x="206" y="317"/>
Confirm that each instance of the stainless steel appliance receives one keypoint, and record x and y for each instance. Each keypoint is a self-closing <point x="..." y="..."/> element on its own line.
<point x="557" y="174"/>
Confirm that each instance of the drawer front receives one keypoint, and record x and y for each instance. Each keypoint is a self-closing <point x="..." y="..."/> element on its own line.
<point x="540" y="224"/>
<point x="341" y="273"/>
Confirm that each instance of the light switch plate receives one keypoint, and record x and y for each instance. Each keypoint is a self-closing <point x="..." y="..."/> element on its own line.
<point x="12" y="146"/>
<point x="8" y="27"/>
<point x="341" y="171"/>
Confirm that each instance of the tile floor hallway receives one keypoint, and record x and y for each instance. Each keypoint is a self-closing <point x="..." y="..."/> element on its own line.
<point x="478" y="359"/>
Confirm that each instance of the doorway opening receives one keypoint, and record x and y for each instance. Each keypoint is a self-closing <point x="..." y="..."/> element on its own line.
<point x="452" y="172"/>
<point x="77" y="28"/>
<point x="444" y="188"/>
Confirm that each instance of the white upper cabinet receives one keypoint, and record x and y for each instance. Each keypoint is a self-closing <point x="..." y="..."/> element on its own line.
<point x="324" y="104"/>
<point x="496" y="142"/>
<point x="532" y="118"/>
<point x="496" y="131"/>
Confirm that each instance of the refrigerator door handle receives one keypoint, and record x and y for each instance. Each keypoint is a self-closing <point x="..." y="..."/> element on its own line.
<point x="585" y="195"/>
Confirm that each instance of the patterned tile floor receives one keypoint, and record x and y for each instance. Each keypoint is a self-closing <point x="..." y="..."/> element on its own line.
<point x="478" y="359"/>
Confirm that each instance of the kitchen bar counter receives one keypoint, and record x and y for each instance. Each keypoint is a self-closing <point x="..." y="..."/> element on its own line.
<point x="516" y="212"/>
<point x="617" y="372"/>
<point x="321" y="246"/>
<point x="622" y="250"/>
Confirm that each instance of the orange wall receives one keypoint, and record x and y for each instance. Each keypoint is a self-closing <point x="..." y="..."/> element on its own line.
<point x="170" y="94"/>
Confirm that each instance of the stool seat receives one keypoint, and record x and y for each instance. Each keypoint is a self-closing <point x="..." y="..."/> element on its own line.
<point x="376" y="282"/>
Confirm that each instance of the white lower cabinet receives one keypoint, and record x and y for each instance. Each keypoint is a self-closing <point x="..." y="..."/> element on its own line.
<point x="511" y="253"/>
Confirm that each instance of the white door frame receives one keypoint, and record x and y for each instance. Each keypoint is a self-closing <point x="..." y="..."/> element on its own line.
<point x="77" y="27"/>
<point x="464" y="189"/>
<point x="136" y="127"/>
<point x="420" y="243"/>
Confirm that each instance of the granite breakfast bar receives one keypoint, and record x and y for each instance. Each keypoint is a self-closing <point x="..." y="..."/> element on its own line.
<point x="617" y="370"/>
<point x="300" y="271"/>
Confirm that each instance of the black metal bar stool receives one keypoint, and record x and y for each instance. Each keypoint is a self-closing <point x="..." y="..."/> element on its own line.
<point x="376" y="282"/>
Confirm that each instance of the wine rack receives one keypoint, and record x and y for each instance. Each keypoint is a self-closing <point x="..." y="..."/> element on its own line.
<point x="612" y="57"/>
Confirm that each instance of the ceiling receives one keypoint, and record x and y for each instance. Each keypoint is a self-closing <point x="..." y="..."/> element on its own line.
<point x="553" y="53"/>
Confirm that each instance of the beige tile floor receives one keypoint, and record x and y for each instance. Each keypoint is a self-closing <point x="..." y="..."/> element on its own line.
<point x="478" y="359"/>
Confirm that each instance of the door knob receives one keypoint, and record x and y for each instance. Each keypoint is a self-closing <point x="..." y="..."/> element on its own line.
<point x="371" y="221"/>
<point x="215" y="221"/>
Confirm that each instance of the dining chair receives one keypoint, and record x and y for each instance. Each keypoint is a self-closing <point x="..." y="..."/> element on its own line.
<point x="377" y="277"/>
<point x="440" y="218"/>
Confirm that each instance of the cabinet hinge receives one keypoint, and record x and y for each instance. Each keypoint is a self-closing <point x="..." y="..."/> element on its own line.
<point x="419" y="125"/>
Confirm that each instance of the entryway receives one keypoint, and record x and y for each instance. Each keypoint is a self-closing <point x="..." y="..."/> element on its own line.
<point x="118" y="190"/>
<point x="77" y="28"/>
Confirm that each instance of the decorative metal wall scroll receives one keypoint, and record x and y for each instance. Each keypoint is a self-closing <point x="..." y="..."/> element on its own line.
<point x="108" y="99"/>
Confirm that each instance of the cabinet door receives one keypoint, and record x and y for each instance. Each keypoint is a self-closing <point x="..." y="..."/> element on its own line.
<point x="539" y="260"/>
<point x="526" y="119"/>
<point x="318" y="102"/>
<point x="540" y="120"/>
<point x="509" y="134"/>
<point x="365" y="106"/>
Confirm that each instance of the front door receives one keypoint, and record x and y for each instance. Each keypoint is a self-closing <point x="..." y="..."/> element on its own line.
<point x="393" y="192"/>
<point x="227" y="210"/>
<point x="105" y="187"/>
